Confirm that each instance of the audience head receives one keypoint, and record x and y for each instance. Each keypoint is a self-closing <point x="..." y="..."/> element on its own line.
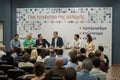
<point x="34" y="54"/>
<point x="70" y="74"/>
<point x="73" y="56"/>
<point x="39" y="69"/>
<point x="40" y="36"/>
<point x="101" y="48"/>
<point x="91" y="55"/>
<point x="18" y="51"/>
<point x="76" y="37"/>
<point x="83" y="51"/>
<point x="87" y="65"/>
<point x="8" y="53"/>
<point x="25" y="57"/>
<point x="59" y="62"/>
<point x="55" y="34"/>
<point x="98" y="53"/>
<point x="59" y="52"/>
<point x="96" y="62"/>
<point x="16" y="36"/>
<point x="29" y="36"/>
<point x="2" y="47"/>
<point x="89" y="38"/>
<point x="43" y="53"/>
<point x="52" y="53"/>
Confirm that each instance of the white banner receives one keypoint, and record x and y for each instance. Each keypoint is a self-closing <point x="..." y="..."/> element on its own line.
<point x="96" y="21"/>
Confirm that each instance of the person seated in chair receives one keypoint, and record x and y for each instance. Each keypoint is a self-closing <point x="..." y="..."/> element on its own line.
<point x="40" y="42"/>
<point x="58" y="71"/>
<point x="57" y="41"/>
<point x="25" y="61"/>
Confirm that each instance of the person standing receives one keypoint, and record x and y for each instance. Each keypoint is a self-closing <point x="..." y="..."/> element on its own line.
<point x="57" y="41"/>
<point x="15" y="43"/>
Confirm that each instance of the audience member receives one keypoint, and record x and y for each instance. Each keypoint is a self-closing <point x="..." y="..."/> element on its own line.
<point x="91" y="55"/>
<point x="101" y="49"/>
<point x="59" y="54"/>
<point x="34" y="54"/>
<point x="84" y="73"/>
<point x="17" y="55"/>
<point x="96" y="71"/>
<point x="25" y="61"/>
<point x="102" y="64"/>
<point x="82" y="54"/>
<point x="70" y="74"/>
<point x="39" y="71"/>
<point x="58" y="71"/>
<point x="2" y="51"/>
<point x="43" y="55"/>
<point x="51" y="60"/>
<point x="73" y="60"/>
<point x="8" y="58"/>
<point x="104" y="56"/>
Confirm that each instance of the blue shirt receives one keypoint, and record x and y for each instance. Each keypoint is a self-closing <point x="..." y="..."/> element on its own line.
<point x="50" y="61"/>
<point x="70" y="65"/>
<point x="82" y="75"/>
<point x="14" y="44"/>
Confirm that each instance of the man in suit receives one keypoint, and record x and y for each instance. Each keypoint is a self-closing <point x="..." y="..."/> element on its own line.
<point x="56" y="40"/>
<point x="40" y="42"/>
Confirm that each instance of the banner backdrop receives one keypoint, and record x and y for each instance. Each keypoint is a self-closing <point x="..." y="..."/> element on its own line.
<point x="96" y="21"/>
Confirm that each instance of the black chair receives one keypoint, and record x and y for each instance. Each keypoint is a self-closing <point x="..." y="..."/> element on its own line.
<point x="98" y="78"/>
<point x="2" y="72"/>
<point x="53" y="78"/>
<point x="15" y="73"/>
<point x="33" y="61"/>
<point x="49" y="67"/>
<point x="27" y="69"/>
<point x="57" y="78"/>
<point x="3" y="62"/>
<point x="3" y="77"/>
<point x="5" y="68"/>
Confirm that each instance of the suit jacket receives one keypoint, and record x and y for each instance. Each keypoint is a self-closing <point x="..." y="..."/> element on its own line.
<point x="44" y="42"/>
<point x="59" y="42"/>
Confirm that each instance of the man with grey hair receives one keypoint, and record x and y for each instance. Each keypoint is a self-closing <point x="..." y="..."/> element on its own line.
<point x="84" y="73"/>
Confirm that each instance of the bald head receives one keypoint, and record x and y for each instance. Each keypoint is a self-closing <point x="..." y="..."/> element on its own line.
<point x="59" y="62"/>
<point x="2" y="47"/>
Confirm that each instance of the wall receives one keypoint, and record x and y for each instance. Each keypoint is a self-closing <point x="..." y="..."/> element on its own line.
<point x="8" y="14"/>
<point x="5" y="15"/>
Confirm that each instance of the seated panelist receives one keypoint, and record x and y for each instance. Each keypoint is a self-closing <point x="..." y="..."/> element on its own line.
<point x="76" y="42"/>
<point x="40" y="42"/>
<point x="28" y="43"/>
<point x="57" y="41"/>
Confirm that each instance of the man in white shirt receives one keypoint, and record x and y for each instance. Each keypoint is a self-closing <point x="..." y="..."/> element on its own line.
<point x="77" y="43"/>
<point x="2" y="50"/>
